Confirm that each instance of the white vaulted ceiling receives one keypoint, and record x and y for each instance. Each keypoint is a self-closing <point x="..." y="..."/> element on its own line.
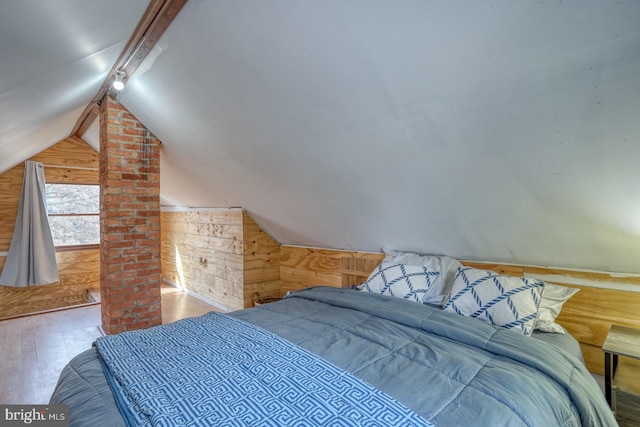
<point x="493" y="130"/>
<point x="54" y="55"/>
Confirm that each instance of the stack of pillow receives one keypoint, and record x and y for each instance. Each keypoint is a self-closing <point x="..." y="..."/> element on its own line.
<point x="517" y="303"/>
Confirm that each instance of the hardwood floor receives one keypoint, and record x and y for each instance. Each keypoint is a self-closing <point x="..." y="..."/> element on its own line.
<point x="179" y="305"/>
<point x="34" y="349"/>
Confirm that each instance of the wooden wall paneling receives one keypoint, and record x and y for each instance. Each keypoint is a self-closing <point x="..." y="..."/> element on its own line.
<point x="79" y="268"/>
<point x="593" y="358"/>
<point x="294" y="279"/>
<point x="320" y="261"/>
<point x="221" y="217"/>
<point x="70" y="176"/>
<point x="585" y="278"/>
<point x="215" y="235"/>
<point x="69" y="161"/>
<point x="70" y="152"/>
<point x="261" y="274"/>
<point x="357" y="267"/>
<point x="252" y="247"/>
<point x="232" y="246"/>
<point x="230" y="259"/>
<point x="303" y="267"/>
<point x="10" y="188"/>
<point x="591" y="311"/>
<point x="20" y="301"/>
<point x="79" y="272"/>
<point x="511" y="270"/>
<point x="258" y="260"/>
<point x="222" y="231"/>
<point x="241" y="258"/>
<point x="263" y="289"/>
<point x="261" y="262"/>
<point x="216" y="281"/>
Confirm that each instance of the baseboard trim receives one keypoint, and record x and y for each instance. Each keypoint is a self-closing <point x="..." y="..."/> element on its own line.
<point x="200" y="297"/>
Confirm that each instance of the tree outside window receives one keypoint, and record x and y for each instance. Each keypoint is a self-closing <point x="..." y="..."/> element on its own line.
<point x="74" y="214"/>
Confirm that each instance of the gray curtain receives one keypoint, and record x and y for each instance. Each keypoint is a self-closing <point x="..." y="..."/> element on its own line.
<point x="32" y="256"/>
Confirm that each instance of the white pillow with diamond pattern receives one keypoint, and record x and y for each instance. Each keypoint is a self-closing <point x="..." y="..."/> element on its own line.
<point x="507" y="301"/>
<point x="410" y="282"/>
<point x="447" y="267"/>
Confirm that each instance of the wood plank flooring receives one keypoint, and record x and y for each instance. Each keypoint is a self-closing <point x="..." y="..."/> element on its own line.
<point x="34" y="349"/>
<point x="179" y="305"/>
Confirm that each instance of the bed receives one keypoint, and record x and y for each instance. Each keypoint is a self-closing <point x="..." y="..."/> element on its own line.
<point x="391" y="362"/>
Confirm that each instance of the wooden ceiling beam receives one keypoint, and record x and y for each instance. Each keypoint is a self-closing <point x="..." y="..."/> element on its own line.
<point x="154" y="22"/>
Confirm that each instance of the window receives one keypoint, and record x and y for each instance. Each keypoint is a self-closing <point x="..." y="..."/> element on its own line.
<point x="74" y="214"/>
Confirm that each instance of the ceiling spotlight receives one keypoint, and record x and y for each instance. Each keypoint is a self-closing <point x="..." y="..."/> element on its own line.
<point x="118" y="83"/>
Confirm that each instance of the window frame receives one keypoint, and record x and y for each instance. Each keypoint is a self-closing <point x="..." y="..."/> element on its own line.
<point x="80" y="246"/>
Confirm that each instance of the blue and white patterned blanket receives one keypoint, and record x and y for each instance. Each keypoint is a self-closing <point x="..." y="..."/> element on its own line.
<point x="220" y="371"/>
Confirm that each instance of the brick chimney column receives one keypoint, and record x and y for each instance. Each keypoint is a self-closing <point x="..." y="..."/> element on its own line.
<point x="130" y="221"/>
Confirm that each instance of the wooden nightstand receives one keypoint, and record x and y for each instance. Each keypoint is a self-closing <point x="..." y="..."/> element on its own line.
<point x="622" y="376"/>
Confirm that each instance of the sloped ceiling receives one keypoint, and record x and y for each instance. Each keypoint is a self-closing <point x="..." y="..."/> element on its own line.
<point x="492" y="130"/>
<point x="54" y="55"/>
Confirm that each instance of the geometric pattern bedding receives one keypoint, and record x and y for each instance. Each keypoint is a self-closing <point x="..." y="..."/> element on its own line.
<point x="410" y="282"/>
<point x="510" y="302"/>
<point x="218" y="370"/>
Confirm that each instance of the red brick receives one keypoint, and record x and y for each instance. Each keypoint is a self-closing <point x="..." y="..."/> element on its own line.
<point x="130" y="267"/>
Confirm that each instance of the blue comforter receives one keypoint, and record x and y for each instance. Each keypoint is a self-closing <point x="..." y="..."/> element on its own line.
<point x="452" y="370"/>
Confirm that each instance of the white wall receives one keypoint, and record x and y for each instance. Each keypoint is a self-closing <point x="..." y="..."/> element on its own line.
<point x="499" y="130"/>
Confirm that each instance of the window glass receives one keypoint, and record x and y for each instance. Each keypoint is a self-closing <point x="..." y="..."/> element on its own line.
<point x="74" y="214"/>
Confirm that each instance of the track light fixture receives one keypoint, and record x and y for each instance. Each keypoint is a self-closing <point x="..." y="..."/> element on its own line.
<point x="118" y="77"/>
